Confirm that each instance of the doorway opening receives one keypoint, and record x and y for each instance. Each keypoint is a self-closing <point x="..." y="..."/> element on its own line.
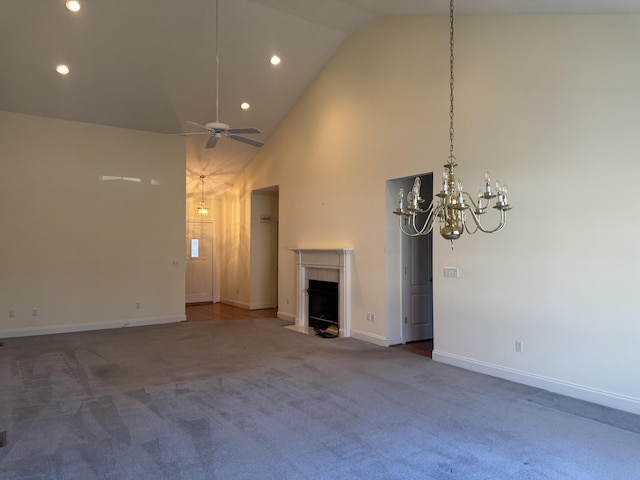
<point x="264" y="248"/>
<point x="200" y="268"/>
<point x="413" y="267"/>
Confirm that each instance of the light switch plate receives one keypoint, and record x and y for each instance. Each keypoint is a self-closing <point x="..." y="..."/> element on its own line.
<point x="451" y="272"/>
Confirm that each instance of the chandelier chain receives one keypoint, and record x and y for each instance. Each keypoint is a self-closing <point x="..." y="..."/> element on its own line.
<point x="217" y="63"/>
<point x="451" y="84"/>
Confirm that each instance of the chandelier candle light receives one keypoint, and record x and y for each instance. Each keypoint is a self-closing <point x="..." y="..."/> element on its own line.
<point x="450" y="205"/>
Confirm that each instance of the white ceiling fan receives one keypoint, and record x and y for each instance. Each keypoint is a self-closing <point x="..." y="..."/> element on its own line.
<point x="217" y="129"/>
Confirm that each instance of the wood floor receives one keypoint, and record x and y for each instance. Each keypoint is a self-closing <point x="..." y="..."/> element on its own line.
<point x="202" y="312"/>
<point x="423" y="347"/>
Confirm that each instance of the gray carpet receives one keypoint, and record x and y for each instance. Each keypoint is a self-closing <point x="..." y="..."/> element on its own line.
<point x="252" y="400"/>
<point x="592" y="411"/>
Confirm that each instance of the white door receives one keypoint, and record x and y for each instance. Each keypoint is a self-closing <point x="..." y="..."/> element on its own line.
<point x="199" y="262"/>
<point x="417" y="281"/>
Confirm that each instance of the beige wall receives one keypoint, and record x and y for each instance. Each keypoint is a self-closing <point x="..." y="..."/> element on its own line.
<point x="235" y="221"/>
<point x="547" y="104"/>
<point x="82" y="250"/>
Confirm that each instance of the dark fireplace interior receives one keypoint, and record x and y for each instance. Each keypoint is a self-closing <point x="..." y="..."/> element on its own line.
<point x="323" y="304"/>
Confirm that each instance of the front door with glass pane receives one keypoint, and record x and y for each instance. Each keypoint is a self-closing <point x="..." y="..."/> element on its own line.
<point x="199" y="262"/>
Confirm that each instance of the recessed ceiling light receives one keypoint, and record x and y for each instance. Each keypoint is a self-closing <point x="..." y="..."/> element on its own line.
<point x="73" y="5"/>
<point x="275" y="60"/>
<point x="245" y="106"/>
<point x="62" y="69"/>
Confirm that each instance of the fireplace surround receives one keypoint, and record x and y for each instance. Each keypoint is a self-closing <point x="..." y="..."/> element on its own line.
<point x="328" y="265"/>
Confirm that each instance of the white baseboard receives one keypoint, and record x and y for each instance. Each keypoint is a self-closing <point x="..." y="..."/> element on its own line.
<point x="84" y="327"/>
<point x="235" y="303"/>
<point x="261" y="306"/>
<point x="291" y="317"/>
<point x="393" y="341"/>
<point x="601" y="397"/>
<point x="369" y="337"/>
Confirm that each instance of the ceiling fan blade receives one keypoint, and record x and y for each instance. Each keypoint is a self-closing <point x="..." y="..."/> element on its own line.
<point x="197" y="125"/>
<point x="243" y="130"/>
<point x="193" y="133"/>
<point x="213" y="141"/>
<point x="250" y="141"/>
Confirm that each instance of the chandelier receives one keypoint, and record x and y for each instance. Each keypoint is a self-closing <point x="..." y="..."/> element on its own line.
<point x="455" y="210"/>
<point x="203" y="208"/>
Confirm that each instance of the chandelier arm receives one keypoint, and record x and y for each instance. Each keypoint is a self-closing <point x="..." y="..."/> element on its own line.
<point x="411" y="220"/>
<point x="476" y="220"/>
<point x="409" y="233"/>
<point x="435" y="213"/>
<point x="415" y="228"/>
<point x="466" y="227"/>
<point x="402" y="217"/>
<point x="470" y="198"/>
<point x="427" y="227"/>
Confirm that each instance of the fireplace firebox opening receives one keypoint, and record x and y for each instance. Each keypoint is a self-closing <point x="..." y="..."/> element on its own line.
<point x="323" y="308"/>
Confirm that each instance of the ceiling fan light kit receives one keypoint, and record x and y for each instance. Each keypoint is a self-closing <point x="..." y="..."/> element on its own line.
<point x="450" y="205"/>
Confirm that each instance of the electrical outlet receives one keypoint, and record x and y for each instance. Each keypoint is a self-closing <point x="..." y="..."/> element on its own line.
<point x="175" y="263"/>
<point x="519" y="346"/>
<point x="12" y="313"/>
<point x="372" y="317"/>
<point x="138" y="305"/>
<point x="34" y="312"/>
<point x="451" y="272"/>
<point x="287" y="301"/>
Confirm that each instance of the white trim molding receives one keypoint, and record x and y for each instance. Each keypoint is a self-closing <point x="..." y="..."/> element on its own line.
<point x="370" y="337"/>
<point x="290" y="317"/>
<point x="235" y="303"/>
<point x="85" y="327"/>
<point x="601" y="397"/>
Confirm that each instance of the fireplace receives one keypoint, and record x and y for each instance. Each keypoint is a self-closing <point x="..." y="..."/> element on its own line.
<point x="327" y="266"/>
<point x="323" y="305"/>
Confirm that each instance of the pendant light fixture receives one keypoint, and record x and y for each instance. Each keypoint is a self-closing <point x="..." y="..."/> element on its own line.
<point x="454" y="208"/>
<point x="203" y="208"/>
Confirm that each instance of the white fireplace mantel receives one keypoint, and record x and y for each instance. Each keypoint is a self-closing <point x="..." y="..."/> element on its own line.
<point x="333" y="262"/>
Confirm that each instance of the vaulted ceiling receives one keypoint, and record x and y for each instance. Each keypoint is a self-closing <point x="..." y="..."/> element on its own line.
<point x="150" y="64"/>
